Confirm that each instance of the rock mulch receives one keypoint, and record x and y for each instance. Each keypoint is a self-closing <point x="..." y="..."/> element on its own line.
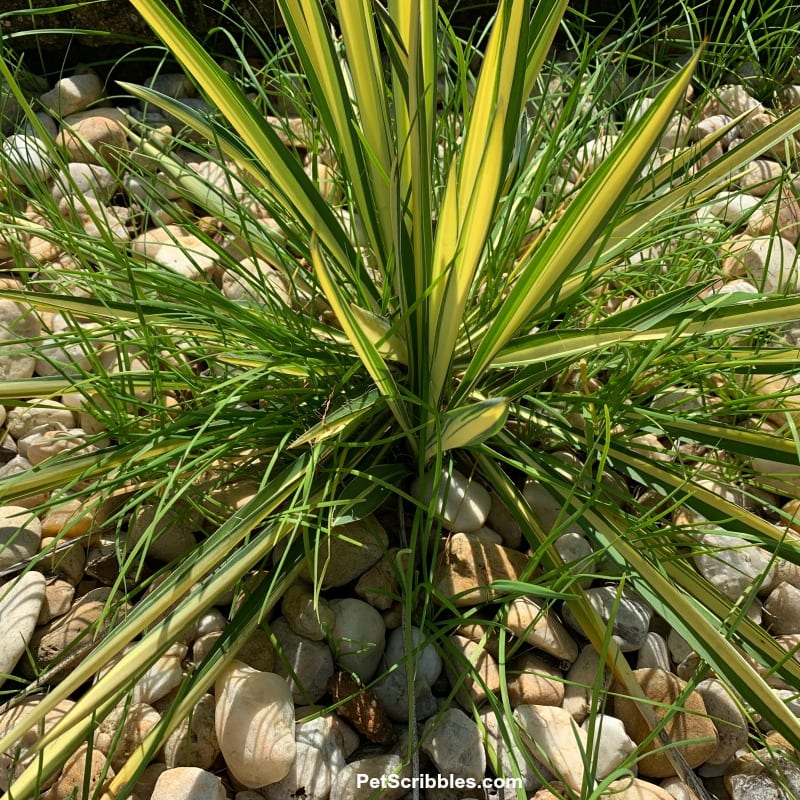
<point x="261" y="733"/>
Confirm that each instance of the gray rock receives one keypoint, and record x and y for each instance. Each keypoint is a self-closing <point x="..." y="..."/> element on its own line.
<point x="631" y="616"/>
<point x="194" y="742"/>
<point x="392" y="692"/>
<point x="730" y="722"/>
<point x="81" y="180"/>
<point x="305" y="664"/>
<point x="751" y="777"/>
<point x="426" y="660"/>
<point x="358" y="637"/>
<point x="20" y="535"/>
<point x="454" y="744"/>
<point x="512" y="757"/>
<point x="20" y="603"/>
<point x="17" y="321"/>
<point x="653" y="652"/>
<point x="732" y="564"/>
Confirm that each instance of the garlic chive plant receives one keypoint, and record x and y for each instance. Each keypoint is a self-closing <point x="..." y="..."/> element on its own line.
<point x="428" y="325"/>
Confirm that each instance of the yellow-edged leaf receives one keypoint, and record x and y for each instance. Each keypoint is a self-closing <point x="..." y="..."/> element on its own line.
<point x="385" y="339"/>
<point x="469" y="425"/>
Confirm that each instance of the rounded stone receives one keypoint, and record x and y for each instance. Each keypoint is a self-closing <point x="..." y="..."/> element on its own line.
<point x="194" y="742"/>
<point x="730" y="721"/>
<point x="123" y="730"/>
<point x="691" y="729"/>
<point x="541" y="628"/>
<point x="426" y="660"/>
<point x="20" y="535"/>
<point x="631" y="616"/>
<point x="20" y="604"/>
<point x="455" y="745"/>
<point x="533" y="681"/>
<point x="23" y="419"/>
<point x="27" y="158"/>
<point x="254" y="720"/>
<point x="609" y="743"/>
<point x="188" y="783"/>
<point x="462" y="504"/>
<point x="358" y="637"/>
<point x="73" y="93"/>
<point x="347" y="552"/>
<point x="165" y="675"/>
<point x="17" y="323"/>
<point x="783" y="609"/>
<point x="306" y="665"/>
<point x="95" y="137"/>
<point x="732" y="564"/>
<point x="554" y="739"/>
<point x="308" y="614"/>
<point x="82" y="769"/>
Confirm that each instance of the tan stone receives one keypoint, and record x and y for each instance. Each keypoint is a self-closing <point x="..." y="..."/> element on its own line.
<point x="378" y="585"/>
<point x="533" y="681"/>
<point x="51" y="640"/>
<point x="74" y="775"/>
<point x="308" y="614"/>
<point x="691" y="725"/>
<point x="136" y="722"/>
<point x="70" y="519"/>
<point x="480" y="678"/>
<point x="95" y="137"/>
<point x="467" y="566"/>
<point x="541" y="628"/>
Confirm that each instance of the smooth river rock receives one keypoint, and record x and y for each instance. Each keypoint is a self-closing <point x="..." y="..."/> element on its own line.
<point x="254" y="720"/>
<point x="20" y="603"/>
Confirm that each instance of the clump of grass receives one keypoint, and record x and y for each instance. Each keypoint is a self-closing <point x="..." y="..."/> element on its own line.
<point x="448" y="302"/>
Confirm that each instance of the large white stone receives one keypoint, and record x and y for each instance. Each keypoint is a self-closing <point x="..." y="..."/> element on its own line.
<point x="255" y="724"/>
<point x="20" y="603"/>
<point x="72" y="94"/>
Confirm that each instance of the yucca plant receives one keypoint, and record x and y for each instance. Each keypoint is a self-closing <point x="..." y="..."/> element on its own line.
<point x="429" y="327"/>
